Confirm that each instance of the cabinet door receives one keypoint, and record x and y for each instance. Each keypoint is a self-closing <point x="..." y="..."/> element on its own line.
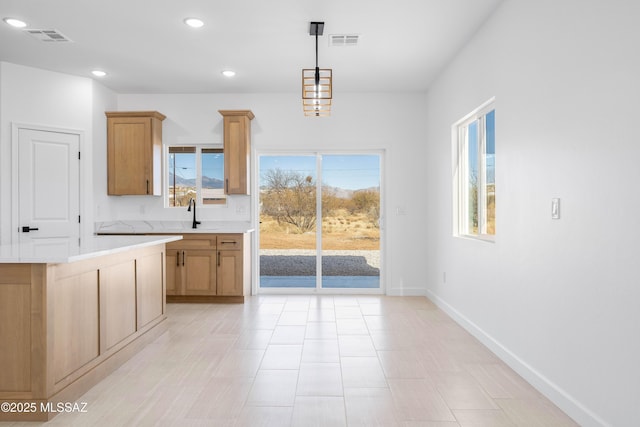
<point x="237" y="142"/>
<point x="134" y="153"/>
<point x="173" y="271"/>
<point x="128" y="147"/>
<point x="230" y="273"/>
<point x="199" y="272"/>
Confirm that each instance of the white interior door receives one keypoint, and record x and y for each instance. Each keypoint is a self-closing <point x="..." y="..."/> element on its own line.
<point x="48" y="184"/>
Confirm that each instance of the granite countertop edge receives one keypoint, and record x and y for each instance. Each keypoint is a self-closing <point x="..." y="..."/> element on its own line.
<point x="62" y="250"/>
<point x="172" y="227"/>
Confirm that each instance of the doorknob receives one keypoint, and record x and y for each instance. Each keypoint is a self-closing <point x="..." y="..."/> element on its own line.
<point x="28" y="229"/>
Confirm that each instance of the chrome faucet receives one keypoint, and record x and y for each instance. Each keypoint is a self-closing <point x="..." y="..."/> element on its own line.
<point x="195" y="223"/>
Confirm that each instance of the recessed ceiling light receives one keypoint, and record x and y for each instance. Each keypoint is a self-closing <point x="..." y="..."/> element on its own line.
<point x="98" y="73"/>
<point x="228" y="73"/>
<point x="194" y="22"/>
<point x="15" y="22"/>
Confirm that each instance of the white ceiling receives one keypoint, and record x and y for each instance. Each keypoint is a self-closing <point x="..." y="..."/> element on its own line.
<point x="146" y="48"/>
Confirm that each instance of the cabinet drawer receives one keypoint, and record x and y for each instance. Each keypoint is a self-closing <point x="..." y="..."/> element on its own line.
<point x="200" y="241"/>
<point x="229" y="241"/>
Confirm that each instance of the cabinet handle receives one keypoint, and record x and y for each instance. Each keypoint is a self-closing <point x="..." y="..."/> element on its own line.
<point x="226" y="185"/>
<point x="147" y="186"/>
<point x="218" y="258"/>
<point x="183" y="256"/>
<point x="228" y="242"/>
<point x="178" y="259"/>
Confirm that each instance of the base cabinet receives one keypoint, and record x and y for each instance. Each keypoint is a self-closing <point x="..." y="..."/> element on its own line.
<point x="229" y="273"/>
<point x="64" y="327"/>
<point x="199" y="272"/>
<point x="208" y="267"/>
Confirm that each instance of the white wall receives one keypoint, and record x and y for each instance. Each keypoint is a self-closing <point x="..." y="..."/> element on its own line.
<point x="558" y="299"/>
<point x="38" y="97"/>
<point x="391" y="122"/>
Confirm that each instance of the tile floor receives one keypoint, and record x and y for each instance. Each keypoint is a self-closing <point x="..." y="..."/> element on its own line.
<point x="314" y="361"/>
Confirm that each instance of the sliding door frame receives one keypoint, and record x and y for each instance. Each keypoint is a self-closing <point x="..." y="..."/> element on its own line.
<point x="255" y="214"/>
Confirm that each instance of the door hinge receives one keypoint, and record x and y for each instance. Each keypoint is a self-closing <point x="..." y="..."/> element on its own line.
<point x="78" y="219"/>
<point x="78" y="155"/>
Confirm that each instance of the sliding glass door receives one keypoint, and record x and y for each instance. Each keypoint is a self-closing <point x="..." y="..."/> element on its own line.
<point x="288" y="213"/>
<point x="319" y="221"/>
<point x="351" y="221"/>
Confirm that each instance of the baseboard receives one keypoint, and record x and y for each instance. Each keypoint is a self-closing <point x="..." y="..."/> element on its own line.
<point x="205" y="299"/>
<point x="549" y="389"/>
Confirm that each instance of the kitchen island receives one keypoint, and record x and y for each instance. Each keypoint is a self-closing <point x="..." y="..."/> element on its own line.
<point x="71" y="312"/>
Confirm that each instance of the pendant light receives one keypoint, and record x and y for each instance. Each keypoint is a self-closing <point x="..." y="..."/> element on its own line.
<point x="316" y="83"/>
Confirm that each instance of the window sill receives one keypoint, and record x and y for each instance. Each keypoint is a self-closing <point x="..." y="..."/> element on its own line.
<point x="486" y="238"/>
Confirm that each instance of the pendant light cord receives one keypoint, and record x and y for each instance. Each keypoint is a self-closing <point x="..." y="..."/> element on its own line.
<point x="317" y="76"/>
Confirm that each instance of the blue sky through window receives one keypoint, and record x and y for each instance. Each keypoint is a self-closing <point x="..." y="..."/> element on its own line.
<point x="185" y="165"/>
<point x="490" y="159"/>
<point x="213" y="166"/>
<point x="490" y="143"/>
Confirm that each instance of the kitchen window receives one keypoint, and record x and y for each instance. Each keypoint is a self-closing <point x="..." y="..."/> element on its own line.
<point x="474" y="151"/>
<point x="195" y="172"/>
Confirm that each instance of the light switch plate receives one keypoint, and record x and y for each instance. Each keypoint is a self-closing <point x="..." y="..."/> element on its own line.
<point x="555" y="208"/>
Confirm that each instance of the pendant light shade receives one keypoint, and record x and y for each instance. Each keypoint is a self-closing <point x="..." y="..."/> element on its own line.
<point x="317" y="83"/>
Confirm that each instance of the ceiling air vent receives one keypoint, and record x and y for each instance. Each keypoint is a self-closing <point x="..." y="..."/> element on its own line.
<point x="48" y="35"/>
<point x="343" y="40"/>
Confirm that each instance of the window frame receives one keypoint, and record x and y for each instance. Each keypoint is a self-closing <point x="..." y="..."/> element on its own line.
<point x="461" y="187"/>
<point x="198" y="149"/>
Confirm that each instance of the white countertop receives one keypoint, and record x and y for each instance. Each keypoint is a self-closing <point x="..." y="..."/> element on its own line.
<point x="63" y="250"/>
<point x="147" y="227"/>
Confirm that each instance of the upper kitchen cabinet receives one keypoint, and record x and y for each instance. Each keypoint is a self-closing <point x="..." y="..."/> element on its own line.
<point x="134" y="153"/>
<point x="237" y="150"/>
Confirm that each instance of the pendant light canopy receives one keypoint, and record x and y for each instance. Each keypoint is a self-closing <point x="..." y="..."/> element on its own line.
<point x="316" y="82"/>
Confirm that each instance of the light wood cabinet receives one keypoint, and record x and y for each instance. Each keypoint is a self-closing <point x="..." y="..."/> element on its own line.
<point x="200" y="273"/>
<point x="134" y="153"/>
<point x="229" y="272"/>
<point x="191" y="265"/>
<point x="237" y="150"/>
<point x="150" y="297"/>
<point x="65" y="326"/>
<point x="208" y="267"/>
<point x="196" y="274"/>
<point x="117" y="302"/>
